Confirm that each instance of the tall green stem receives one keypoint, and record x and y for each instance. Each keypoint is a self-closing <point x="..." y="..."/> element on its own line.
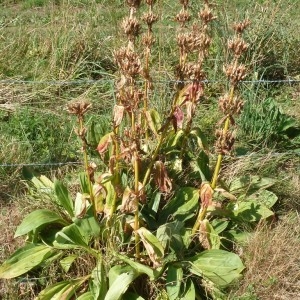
<point x="86" y="162"/>
<point x="136" y="189"/>
<point x="136" y="213"/>
<point x="158" y="147"/>
<point x="116" y="170"/>
<point x="203" y="210"/>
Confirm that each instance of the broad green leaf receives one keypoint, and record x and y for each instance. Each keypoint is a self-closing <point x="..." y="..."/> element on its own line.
<point x="152" y="245"/>
<point x="189" y="290"/>
<point x="236" y="235"/>
<point x="219" y="225"/>
<point x="119" y="282"/>
<point x="67" y="262"/>
<point x="70" y="237"/>
<point x="88" y="225"/>
<point x="265" y="197"/>
<point x="162" y="295"/>
<point x="111" y="194"/>
<point x="202" y="166"/>
<point x="218" y="266"/>
<point x="98" y="281"/>
<point x="170" y="235"/>
<point x="197" y="133"/>
<point x="212" y="235"/>
<point x="46" y="182"/>
<point x="37" y="219"/>
<point x="25" y="259"/>
<point x="62" y="290"/>
<point x="116" y="271"/>
<point x="41" y="183"/>
<point x="174" y="139"/>
<point x="156" y="201"/>
<point x="52" y="290"/>
<point x="140" y="268"/>
<point x="249" y="211"/>
<point x="153" y="120"/>
<point x="174" y="281"/>
<point x="86" y="296"/>
<point x="84" y="183"/>
<point x="63" y="197"/>
<point x="181" y="207"/>
<point x="250" y="184"/>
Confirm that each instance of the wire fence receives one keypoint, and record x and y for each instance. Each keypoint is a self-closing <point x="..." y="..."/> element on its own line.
<point x="39" y="164"/>
<point x="78" y="163"/>
<point x="111" y="81"/>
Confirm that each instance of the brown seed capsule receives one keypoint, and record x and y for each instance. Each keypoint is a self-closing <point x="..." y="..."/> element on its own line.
<point x="224" y="142"/>
<point x="150" y="2"/>
<point x="194" y="71"/>
<point x="150" y="18"/>
<point x="206" y="15"/>
<point x="134" y="3"/>
<point x="184" y="3"/>
<point x="238" y="46"/>
<point x="128" y="61"/>
<point x="230" y="106"/>
<point x="131" y="27"/>
<point x="241" y="26"/>
<point x="235" y="73"/>
<point x="182" y="17"/>
<point x="78" y="108"/>
<point x="148" y="40"/>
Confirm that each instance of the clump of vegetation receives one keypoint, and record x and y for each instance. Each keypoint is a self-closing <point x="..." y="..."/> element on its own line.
<point x="152" y="220"/>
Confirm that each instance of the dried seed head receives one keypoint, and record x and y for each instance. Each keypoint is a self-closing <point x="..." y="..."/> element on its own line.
<point x="150" y="18"/>
<point x="131" y="27"/>
<point x="148" y="40"/>
<point x="134" y="3"/>
<point x="80" y="132"/>
<point x="206" y="14"/>
<point x="184" y="3"/>
<point x="230" y="106"/>
<point x="241" y="26"/>
<point x="238" y="46"/>
<point x="224" y="142"/>
<point x="128" y="61"/>
<point x="194" y="71"/>
<point x="194" y="40"/>
<point x="182" y="17"/>
<point x="130" y="98"/>
<point x="161" y="177"/>
<point x="235" y="73"/>
<point x="150" y="2"/>
<point x="78" y="108"/>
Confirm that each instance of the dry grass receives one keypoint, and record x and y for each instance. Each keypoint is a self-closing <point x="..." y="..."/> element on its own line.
<point x="10" y="217"/>
<point x="273" y="262"/>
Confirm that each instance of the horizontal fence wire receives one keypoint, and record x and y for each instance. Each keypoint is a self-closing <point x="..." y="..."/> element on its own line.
<point x="57" y="164"/>
<point x="40" y="164"/>
<point x="95" y="82"/>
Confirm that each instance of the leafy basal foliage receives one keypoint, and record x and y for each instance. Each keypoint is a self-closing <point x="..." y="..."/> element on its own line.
<point x="171" y="257"/>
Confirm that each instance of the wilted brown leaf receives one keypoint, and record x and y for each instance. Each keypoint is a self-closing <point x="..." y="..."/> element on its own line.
<point x="118" y="114"/>
<point x="206" y="194"/>
<point x="161" y="177"/>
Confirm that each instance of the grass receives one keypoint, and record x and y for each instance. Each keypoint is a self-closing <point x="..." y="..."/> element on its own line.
<point x="272" y="260"/>
<point x="74" y="40"/>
